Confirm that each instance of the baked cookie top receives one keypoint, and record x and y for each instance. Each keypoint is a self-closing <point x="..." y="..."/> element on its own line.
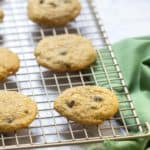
<point x="53" y="12"/>
<point x="87" y="104"/>
<point x="64" y="53"/>
<point x="9" y="63"/>
<point x="16" y="111"/>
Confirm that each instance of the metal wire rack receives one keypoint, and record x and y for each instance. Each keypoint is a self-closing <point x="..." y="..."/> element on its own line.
<point x="49" y="128"/>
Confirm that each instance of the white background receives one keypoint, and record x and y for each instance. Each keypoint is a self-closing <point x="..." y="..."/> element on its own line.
<point x="125" y="18"/>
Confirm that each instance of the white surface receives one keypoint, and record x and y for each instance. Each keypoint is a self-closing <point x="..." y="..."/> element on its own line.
<point x="125" y="18"/>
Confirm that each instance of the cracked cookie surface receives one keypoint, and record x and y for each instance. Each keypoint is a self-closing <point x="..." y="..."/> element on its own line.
<point x="16" y="111"/>
<point x="87" y="105"/>
<point x="65" y="53"/>
<point x="53" y="12"/>
<point x="9" y="63"/>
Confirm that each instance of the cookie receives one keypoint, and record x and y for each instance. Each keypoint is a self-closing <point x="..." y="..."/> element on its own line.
<point x="65" y="53"/>
<point x="53" y="12"/>
<point x="1" y="15"/>
<point x="9" y="63"/>
<point x="87" y="105"/>
<point x="16" y="111"/>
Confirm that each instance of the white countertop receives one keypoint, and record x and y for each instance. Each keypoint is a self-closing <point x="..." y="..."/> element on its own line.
<point x="125" y="18"/>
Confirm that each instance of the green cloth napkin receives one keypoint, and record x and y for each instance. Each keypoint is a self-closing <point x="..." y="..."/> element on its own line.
<point x="133" y="56"/>
<point x="137" y="144"/>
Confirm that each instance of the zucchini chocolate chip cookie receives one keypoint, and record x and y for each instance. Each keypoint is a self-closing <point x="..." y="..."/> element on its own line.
<point x="87" y="105"/>
<point x="65" y="53"/>
<point x="53" y="12"/>
<point x="16" y="111"/>
<point x="9" y="63"/>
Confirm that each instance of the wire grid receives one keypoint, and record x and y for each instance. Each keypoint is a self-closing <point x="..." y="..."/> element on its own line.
<point x="50" y="128"/>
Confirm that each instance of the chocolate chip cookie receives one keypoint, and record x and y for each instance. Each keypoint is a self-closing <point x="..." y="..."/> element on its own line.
<point x="9" y="63"/>
<point x="87" y="105"/>
<point x="65" y="53"/>
<point x="16" y="111"/>
<point x="53" y="12"/>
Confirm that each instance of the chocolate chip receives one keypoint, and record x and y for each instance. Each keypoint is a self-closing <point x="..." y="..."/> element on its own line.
<point x="52" y="4"/>
<point x="48" y="58"/>
<point x="9" y="120"/>
<point x="26" y="111"/>
<point x="71" y="103"/>
<point x="41" y="1"/>
<point x="67" y="1"/>
<point x="93" y="107"/>
<point x="63" y="64"/>
<point x="67" y="65"/>
<point x="97" y="98"/>
<point x="63" y="53"/>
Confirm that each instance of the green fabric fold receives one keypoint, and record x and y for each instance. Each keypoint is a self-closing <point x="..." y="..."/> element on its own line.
<point x="137" y="144"/>
<point x="133" y="56"/>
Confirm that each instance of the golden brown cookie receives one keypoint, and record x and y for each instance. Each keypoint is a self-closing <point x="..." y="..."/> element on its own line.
<point x="65" y="53"/>
<point x="16" y="111"/>
<point x="9" y="63"/>
<point x="53" y="12"/>
<point x="1" y="15"/>
<point x="87" y="105"/>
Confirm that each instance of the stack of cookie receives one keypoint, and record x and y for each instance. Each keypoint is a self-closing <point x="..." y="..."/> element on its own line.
<point x="88" y="105"/>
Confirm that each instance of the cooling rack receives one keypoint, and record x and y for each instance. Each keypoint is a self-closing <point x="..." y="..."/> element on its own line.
<point x="49" y="128"/>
